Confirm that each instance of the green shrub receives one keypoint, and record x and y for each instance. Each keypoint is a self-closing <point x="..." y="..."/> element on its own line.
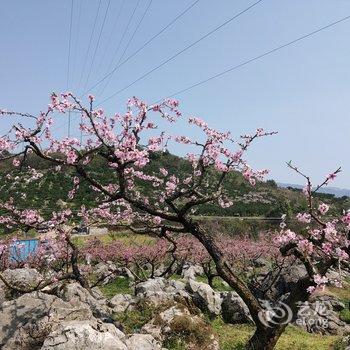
<point x="188" y="330"/>
<point x="133" y="320"/>
<point x="119" y="286"/>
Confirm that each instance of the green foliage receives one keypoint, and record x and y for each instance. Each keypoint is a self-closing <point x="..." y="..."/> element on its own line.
<point x="345" y="314"/>
<point x="344" y="295"/>
<point x="265" y="200"/>
<point x="234" y="337"/>
<point x="133" y="320"/>
<point x="120" y="285"/>
<point x="187" y="330"/>
<point x="340" y="344"/>
<point x="218" y="283"/>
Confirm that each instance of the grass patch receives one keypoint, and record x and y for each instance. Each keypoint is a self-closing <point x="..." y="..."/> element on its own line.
<point x="344" y="295"/>
<point x="345" y="314"/>
<point x="233" y="337"/>
<point x="218" y="283"/>
<point x="133" y="320"/>
<point x="176" y="277"/>
<point x="186" y="330"/>
<point x="341" y="293"/>
<point x="126" y="237"/>
<point x="119" y="286"/>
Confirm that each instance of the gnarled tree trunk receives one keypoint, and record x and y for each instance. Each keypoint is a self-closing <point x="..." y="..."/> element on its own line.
<point x="265" y="338"/>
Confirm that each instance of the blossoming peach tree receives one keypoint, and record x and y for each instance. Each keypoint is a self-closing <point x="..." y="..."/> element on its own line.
<point x="123" y="147"/>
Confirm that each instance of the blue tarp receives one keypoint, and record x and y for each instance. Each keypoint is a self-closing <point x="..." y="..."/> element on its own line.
<point x="21" y="249"/>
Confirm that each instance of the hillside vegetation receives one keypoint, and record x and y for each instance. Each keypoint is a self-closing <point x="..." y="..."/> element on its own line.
<point x="265" y="199"/>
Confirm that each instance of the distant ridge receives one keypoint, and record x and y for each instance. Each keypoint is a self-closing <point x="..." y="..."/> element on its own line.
<point x="338" y="192"/>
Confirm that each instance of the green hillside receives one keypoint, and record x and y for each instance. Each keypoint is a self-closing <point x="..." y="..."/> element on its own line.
<point x="265" y="199"/>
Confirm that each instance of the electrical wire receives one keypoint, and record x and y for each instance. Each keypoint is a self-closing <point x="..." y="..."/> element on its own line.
<point x="89" y="45"/>
<point x="109" y="40"/>
<point x="68" y="63"/>
<point x="69" y="43"/>
<point x="173" y="21"/>
<point x="129" y="42"/>
<point x="98" y="43"/>
<point x="123" y="35"/>
<point x="257" y="57"/>
<point x="183" y="50"/>
<point x="74" y="65"/>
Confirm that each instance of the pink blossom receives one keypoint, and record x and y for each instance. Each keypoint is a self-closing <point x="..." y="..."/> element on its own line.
<point x="323" y="208"/>
<point x="342" y="255"/>
<point x="304" y="217"/>
<point x="320" y="280"/>
<point x="16" y="162"/>
<point x="157" y="220"/>
<point x="311" y="289"/>
<point x="331" y="176"/>
<point x="163" y="171"/>
<point x="306" y="247"/>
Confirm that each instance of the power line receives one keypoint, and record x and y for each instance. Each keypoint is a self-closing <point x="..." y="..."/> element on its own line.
<point x="183" y="50"/>
<point x="61" y="126"/>
<point x="98" y="43"/>
<point x="69" y="123"/>
<point x="69" y="49"/>
<point x="76" y="41"/>
<point x="143" y="46"/>
<point x="69" y="43"/>
<point x="257" y="57"/>
<point x="109" y="40"/>
<point x="129" y="42"/>
<point x="123" y="35"/>
<point x="89" y="45"/>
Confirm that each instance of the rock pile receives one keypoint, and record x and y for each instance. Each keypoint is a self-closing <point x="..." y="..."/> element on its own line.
<point x="68" y="316"/>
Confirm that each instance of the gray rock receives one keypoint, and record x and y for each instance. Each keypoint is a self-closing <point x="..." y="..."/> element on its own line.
<point x="156" y="298"/>
<point x="78" y="335"/>
<point x="204" y="297"/>
<point x="336" y="275"/>
<point x="97" y="294"/>
<point x="335" y="303"/>
<point x="151" y="285"/>
<point x="24" y="279"/>
<point x="107" y="271"/>
<point x="122" y="302"/>
<point x="190" y="271"/>
<point x="27" y="320"/>
<point x="159" y="291"/>
<point x="142" y="342"/>
<point x="3" y="292"/>
<point x="234" y="310"/>
<point x="345" y="342"/>
<point x="124" y="271"/>
<point x="173" y="286"/>
<point x="160" y="270"/>
<point x="282" y="281"/>
<point x="161" y="327"/>
<point x="75" y="293"/>
<point x="319" y="315"/>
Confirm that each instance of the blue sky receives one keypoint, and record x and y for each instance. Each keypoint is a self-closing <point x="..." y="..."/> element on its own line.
<point x="301" y="91"/>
